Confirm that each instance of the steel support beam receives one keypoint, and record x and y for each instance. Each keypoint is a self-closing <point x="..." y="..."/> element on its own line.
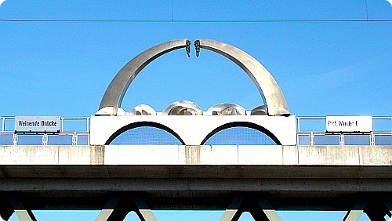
<point x="5" y="214"/>
<point x="6" y="209"/>
<point x="388" y="203"/>
<point x="107" y="211"/>
<point x="258" y="207"/>
<point x="22" y="213"/>
<point x="117" y="208"/>
<point x="378" y="208"/>
<point x="356" y="211"/>
<point x="232" y="209"/>
<point x="142" y="209"/>
<point x="266" y="207"/>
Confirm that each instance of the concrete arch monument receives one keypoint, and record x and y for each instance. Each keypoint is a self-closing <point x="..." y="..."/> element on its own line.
<point x="111" y="119"/>
<point x="266" y="84"/>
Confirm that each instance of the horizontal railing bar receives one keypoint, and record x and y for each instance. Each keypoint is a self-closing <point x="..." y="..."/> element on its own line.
<point x="310" y="117"/>
<point x="74" y="118"/>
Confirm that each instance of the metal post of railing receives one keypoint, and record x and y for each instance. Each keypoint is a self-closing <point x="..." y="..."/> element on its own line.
<point x="45" y="139"/>
<point x="15" y="139"/>
<point x="2" y="124"/>
<point x="74" y="138"/>
<point x="311" y="138"/>
<point x="372" y="139"/>
<point x="341" y="139"/>
<point x="62" y="124"/>
<point x="88" y="124"/>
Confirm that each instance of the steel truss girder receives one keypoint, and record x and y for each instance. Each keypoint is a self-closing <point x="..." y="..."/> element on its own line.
<point x="6" y="209"/>
<point x="376" y="208"/>
<point x="9" y="205"/>
<point x="118" y="207"/>
<point x="257" y="206"/>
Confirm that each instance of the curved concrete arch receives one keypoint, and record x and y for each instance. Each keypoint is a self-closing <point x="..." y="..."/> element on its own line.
<point x="265" y="83"/>
<point x="115" y="92"/>
<point x="143" y="124"/>
<point x="251" y="125"/>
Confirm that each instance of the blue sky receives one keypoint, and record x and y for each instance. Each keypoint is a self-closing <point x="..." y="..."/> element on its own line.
<point x="329" y="57"/>
<point x="324" y="67"/>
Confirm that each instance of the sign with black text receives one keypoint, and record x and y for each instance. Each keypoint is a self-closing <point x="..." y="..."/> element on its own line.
<point x="349" y="123"/>
<point x="37" y="123"/>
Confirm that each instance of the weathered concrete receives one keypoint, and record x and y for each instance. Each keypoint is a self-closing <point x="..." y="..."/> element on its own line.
<point x="359" y="155"/>
<point x="52" y="155"/>
<point x="195" y="177"/>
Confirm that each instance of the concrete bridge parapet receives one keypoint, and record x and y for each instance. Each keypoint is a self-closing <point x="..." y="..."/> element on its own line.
<point x="347" y="155"/>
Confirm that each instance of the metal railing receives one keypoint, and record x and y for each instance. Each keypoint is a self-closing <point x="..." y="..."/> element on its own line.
<point x="309" y="133"/>
<point x="76" y="131"/>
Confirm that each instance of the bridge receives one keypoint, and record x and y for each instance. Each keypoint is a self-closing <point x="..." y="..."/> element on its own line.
<point x="277" y="161"/>
<point x="196" y="177"/>
<point x="339" y="176"/>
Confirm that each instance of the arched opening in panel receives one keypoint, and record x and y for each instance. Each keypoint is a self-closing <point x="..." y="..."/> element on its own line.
<point x="145" y="133"/>
<point x="241" y="133"/>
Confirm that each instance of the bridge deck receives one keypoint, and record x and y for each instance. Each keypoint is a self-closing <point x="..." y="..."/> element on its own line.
<point x="195" y="177"/>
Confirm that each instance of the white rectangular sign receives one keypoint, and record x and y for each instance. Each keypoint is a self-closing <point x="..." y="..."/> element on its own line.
<point x="37" y="123"/>
<point x="349" y="123"/>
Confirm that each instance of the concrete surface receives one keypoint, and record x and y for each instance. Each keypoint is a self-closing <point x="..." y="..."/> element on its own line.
<point x="192" y="130"/>
<point x="195" y="177"/>
<point x="360" y="155"/>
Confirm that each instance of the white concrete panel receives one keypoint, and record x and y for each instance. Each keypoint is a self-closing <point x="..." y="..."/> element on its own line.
<point x="141" y="154"/>
<point x="263" y="155"/>
<point x="202" y="155"/>
<point x="49" y="155"/>
<point x="224" y="154"/>
<point x="29" y="154"/>
<point x="74" y="155"/>
<point x="193" y="129"/>
<point x="328" y="155"/>
<point x="111" y="154"/>
<point x="198" y="154"/>
<point x="290" y="155"/>
<point x="211" y="154"/>
<point x="375" y="155"/>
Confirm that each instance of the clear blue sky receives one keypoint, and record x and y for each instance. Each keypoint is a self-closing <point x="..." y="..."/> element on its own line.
<point x="329" y="57"/>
